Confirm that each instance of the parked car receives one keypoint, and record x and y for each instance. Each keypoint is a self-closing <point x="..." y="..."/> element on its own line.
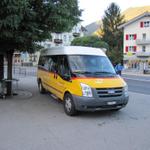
<point x="146" y="70"/>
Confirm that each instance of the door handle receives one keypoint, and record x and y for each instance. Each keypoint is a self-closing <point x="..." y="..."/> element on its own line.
<point x="55" y="75"/>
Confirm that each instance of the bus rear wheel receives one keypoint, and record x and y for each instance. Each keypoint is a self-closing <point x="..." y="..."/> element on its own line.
<point x="41" y="88"/>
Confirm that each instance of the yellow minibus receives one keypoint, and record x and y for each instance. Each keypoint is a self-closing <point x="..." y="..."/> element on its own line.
<point x="83" y="78"/>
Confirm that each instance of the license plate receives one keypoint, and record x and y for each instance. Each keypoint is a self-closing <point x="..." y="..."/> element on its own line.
<point x="111" y="92"/>
<point x="111" y="103"/>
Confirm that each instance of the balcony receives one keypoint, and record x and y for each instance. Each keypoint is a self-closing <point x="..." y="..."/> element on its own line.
<point x="58" y="41"/>
<point x="143" y="41"/>
<point x="143" y="54"/>
<point x="76" y="34"/>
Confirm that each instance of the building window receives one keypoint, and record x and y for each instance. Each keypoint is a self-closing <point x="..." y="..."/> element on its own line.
<point x="48" y="45"/>
<point x="70" y="38"/>
<point x="143" y="48"/>
<point x="65" y="38"/>
<point x="144" y="36"/>
<point x="145" y="24"/>
<point x="131" y="49"/>
<point x="131" y="37"/>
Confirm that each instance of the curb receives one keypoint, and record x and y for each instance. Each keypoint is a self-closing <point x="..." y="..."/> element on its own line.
<point x="136" y="74"/>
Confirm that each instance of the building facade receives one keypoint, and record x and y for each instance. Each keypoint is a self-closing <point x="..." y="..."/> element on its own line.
<point x="137" y="42"/>
<point x="58" y="39"/>
<point x="25" y="59"/>
<point x="65" y="38"/>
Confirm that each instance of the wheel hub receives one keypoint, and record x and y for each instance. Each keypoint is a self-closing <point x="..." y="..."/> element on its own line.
<point x="68" y="104"/>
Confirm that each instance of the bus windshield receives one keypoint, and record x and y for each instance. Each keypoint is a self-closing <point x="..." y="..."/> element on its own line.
<point x="89" y="64"/>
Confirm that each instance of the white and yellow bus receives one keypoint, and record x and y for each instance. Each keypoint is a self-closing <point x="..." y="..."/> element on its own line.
<point x="83" y="78"/>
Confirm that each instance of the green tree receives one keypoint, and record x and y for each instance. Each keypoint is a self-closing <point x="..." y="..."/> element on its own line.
<point x="23" y="23"/>
<point x="111" y="34"/>
<point x="90" y="41"/>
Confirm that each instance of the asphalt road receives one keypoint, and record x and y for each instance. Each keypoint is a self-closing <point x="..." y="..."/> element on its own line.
<point x="138" y="84"/>
<point x="32" y="121"/>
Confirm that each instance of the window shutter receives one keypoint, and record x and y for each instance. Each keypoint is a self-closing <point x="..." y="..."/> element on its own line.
<point x="127" y="36"/>
<point x="134" y="48"/>
<point x="141" y="24"/>
<point x="135" y="36"/>
<point x="126" y="49"/>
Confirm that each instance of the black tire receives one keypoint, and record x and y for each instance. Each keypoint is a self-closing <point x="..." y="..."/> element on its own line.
<point x="69" y="106"/>
<point x="41" y="88"/>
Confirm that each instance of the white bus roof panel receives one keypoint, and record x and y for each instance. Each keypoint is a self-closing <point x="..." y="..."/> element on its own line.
<point x="72" y="50"/>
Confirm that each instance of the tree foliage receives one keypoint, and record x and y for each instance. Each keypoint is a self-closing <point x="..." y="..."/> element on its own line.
<point x="111" y="34"/>
<point x="25" y="22"/>
<point x="90" y="41"/>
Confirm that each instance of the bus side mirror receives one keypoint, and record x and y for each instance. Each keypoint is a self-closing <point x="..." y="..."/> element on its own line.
<point x="67" y="77"/>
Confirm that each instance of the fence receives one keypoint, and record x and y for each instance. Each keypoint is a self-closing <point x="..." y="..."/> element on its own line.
<point x="22" y="71"/>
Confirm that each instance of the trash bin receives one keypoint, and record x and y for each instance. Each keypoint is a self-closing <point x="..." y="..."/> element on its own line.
<point x="2" y="89"/>
<point x="14" y="86"/>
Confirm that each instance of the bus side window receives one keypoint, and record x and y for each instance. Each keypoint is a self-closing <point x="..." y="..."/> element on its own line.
<point x="66" y="67"/>
<point x="63" y="67"/>
<point x="53" y="64"/>
<point x="50" y="62"/>
<point x="46" y="64"/>
<point x="41" y="61"/>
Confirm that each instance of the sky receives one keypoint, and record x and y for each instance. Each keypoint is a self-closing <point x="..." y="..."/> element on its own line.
<point x="94" y="9"/>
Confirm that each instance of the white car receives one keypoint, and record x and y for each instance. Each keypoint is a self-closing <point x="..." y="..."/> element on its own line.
<point x="146" y="70"/>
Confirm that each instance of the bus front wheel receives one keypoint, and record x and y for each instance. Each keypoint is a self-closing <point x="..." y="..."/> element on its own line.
<point x="69" y="106"/>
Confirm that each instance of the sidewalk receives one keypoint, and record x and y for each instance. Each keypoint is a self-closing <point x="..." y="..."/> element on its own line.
<point x="134" y="72"/>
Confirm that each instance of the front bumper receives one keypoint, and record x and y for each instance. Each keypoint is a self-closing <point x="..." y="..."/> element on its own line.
<point x="97" y="104"/>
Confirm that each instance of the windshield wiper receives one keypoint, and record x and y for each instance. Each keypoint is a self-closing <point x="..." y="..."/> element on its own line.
<point x="82" y="72"/>
<point x="103" y="72"/>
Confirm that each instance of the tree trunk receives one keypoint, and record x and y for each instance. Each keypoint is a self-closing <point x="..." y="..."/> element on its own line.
<point x="9" y="73"/>
<point x="1" y="66"/>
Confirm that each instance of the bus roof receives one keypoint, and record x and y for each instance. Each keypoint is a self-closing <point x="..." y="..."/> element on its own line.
<point x="73" y="50"/>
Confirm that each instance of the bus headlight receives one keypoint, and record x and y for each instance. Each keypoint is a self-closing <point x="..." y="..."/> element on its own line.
<point x="86" y="90"/>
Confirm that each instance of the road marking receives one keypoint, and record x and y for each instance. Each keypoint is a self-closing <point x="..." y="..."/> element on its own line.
<point x="142" y="80"/>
